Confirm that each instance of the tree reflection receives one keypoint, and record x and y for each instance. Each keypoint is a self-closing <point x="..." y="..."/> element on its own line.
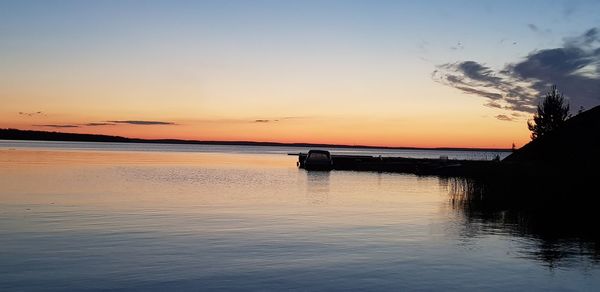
<point x="559" y="218"/>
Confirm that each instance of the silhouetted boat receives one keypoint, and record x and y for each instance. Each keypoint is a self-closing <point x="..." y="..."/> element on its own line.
<point x="317" y="160"/>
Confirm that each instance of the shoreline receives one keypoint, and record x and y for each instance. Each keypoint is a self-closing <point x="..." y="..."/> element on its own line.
<point x="47" y="136"/>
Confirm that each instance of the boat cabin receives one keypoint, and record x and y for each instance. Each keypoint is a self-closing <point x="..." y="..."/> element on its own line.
<point x="318" y="160"/>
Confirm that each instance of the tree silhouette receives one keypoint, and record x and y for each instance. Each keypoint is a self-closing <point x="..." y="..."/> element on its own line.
<point x="552" y="112"/>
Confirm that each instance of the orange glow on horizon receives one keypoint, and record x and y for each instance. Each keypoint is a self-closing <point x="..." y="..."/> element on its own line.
<point x="458" y="123"/>
<point x="427" y="136"/>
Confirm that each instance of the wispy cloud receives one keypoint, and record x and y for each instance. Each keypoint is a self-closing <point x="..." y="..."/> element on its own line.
<point x="569" y="8"/>
<point x="106" y="123"/>
<point x="98" y="124"/>
<point x="277" y="119"/>
<point x="31" y="114"/>
<point x="533" y="27"/>
<point x="143" y="123"/>
<point x="493" y="104"/>
<point x="57" y="126"/>
<point x="459" y="46"/>
<point x="538" y="30"/>
<point x="504" y="118"/>
<point x="574" y="67"/>
<point x="500" y="89"/>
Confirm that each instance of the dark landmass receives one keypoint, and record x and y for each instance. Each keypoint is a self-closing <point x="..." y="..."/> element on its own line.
<point x="15" y="134"/>
<point x="558" y="171"/>
<point x="573" y="146"/>
<point x="568" y="155"/>
<point x="547" y="190"/>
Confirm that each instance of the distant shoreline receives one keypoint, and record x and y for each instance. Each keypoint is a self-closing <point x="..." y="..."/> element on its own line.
<point x="30" y="135"/>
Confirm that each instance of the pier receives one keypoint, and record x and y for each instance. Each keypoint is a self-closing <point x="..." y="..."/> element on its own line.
<point x="420" y="166"/>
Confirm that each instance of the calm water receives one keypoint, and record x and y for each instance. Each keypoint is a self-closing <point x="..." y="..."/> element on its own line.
<point x="91" y="216"/>
<point x="452" y="154"/>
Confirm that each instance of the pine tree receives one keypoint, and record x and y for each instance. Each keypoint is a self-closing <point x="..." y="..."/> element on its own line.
<point x="552" y="112"/>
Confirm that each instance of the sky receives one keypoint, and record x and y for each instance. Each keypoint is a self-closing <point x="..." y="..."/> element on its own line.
<point x="388" y="73"/>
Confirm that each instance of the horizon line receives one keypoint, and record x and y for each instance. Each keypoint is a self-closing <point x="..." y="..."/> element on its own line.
<point x="121" y="139"/>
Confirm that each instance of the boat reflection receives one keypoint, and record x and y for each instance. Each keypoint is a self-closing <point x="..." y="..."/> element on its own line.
<point x="317" y="186"/>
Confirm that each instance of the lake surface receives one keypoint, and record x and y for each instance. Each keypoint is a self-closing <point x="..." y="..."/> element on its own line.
<point x="113" y="216"/>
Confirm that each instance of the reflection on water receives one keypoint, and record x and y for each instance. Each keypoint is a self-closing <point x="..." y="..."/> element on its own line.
<point x="560" y="221"/>
<point x="194" y="148"/>
<point x="109" y="220"/>
<point x="317" y="186"/>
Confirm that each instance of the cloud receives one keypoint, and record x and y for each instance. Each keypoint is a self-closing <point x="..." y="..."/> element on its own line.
<point x="145" y="123"/>
<point x="574" y="67"/>
<point x="58" y="126"/>
<point x="498" y="88"/>
<point x="98" y="124"/>
<point x="477" y="71"/>
<point x="536" y="29"/>
<point x="458" y="46"/>
<point x="533" y="27"/>
<point x="493" y="104"/>
<point x="490" y="95"/>
<point x="31" y="114"/>
<point x="569" y="8"/>
<point x="422" y="46"/>
<point x="106" y="123"/>
<point x="277" y="119"/>
<point x="295" y="117"/>
<point x="504" y="118"/>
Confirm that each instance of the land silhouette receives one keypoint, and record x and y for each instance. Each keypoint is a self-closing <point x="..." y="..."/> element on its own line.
<point x="553" y="164"/>
<point x="573" y="147"/>
<point x="546" y="190"/>
<point x="17" y="134"/>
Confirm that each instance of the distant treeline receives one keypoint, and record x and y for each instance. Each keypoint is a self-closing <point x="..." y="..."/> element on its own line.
<point x="15" y="134"/>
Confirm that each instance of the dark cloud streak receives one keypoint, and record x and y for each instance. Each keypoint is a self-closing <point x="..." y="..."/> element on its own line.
<point x="143" y="123"/>
<point x="493" y="104"/>
<point x="504" y="118"/>
<point x="98" y="124"/>
<point x="277" y="120"/>
<point x="533" y="27"/>
<point x="57" y="126"/>
<point x="31" y="114"/>
<point x="574" y="67"/>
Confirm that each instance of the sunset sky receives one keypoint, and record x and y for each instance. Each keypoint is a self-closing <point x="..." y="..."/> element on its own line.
<point x="391" y="73"/>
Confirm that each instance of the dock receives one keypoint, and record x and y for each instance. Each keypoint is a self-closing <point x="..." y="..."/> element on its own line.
<point x="419" y="166"/>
